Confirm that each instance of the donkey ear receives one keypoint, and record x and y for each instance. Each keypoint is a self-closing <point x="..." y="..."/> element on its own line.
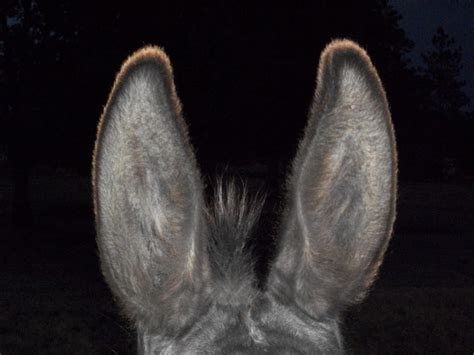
<point x="148" y="196"/>
<point x="342" y="191"/>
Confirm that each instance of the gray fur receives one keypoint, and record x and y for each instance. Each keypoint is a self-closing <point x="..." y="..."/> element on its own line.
<point x="181" y="270"/>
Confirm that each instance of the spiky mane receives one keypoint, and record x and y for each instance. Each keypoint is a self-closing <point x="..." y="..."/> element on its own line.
<point x="233" y="217"/>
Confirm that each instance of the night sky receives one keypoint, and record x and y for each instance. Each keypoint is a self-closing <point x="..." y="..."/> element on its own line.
<point x="420" y="19"/>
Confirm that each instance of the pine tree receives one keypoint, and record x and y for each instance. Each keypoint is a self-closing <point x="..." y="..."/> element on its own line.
<point x="442" y="72"/>
<point x="447" y="127"/>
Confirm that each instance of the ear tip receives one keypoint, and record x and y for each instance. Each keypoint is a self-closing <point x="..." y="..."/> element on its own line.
<point x="343" y="44"/>
<point x="344" y="50"/>
<point x="342" y="53"/>
<point x="148" y="54"/>
<point x="147" y="58"/>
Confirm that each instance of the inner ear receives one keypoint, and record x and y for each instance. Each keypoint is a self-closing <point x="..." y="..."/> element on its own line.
<point x="341" y="202"/>
<point x="148" y="195"/>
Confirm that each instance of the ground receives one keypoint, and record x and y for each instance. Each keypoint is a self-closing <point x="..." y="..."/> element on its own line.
<point x="53" y="299"/>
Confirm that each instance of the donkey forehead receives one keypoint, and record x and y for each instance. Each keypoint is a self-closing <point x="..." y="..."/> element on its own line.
<point x="265" y="327"/>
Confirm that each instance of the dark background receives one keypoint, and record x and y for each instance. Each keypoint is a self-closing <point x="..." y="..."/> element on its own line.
<point x="245" y="73"/>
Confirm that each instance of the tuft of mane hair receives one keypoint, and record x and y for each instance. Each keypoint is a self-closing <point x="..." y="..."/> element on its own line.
<point x="233" y="217"/>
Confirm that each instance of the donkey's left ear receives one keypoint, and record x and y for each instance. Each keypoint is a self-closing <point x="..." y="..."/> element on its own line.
<point x="148" y="197"/>
<point x="342" y="190"/>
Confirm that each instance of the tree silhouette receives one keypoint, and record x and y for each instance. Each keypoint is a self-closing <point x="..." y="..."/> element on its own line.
<point x="245" y="74"/>
<point x="447" y="127"/>
<point x="442" y="71"/>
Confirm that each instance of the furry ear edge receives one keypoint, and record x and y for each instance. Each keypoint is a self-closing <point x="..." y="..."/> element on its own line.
<point x="148" y="196"/>
<point x="342" y="192"/>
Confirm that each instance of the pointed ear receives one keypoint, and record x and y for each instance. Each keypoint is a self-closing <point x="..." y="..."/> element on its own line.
<point x="148" y="196"/>
<point x="342" y="191"/>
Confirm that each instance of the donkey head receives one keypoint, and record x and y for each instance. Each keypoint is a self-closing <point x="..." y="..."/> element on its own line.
<point x="178" y="267"/>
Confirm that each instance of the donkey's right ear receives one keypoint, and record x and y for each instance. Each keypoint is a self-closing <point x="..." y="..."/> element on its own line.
<point x="148" y="196"/>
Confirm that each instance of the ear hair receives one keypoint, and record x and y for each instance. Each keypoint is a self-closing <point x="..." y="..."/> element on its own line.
<point x="148" y="197"/>
<point x="342" y="190"/>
